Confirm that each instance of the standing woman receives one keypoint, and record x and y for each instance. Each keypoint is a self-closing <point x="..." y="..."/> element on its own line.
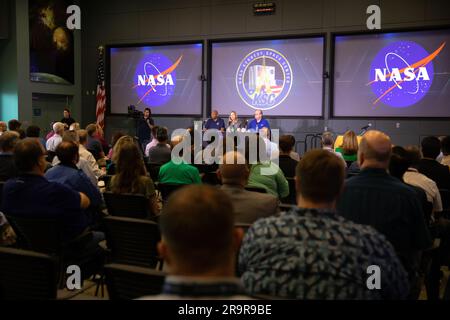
<point x="234" y="124"/>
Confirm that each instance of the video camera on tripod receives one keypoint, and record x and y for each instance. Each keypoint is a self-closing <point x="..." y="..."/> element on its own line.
<point x="133" y="113"/>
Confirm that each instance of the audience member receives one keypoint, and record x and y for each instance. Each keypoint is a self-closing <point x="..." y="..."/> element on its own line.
<point x="328" y="144"/>
<point x="178" y="173"/>
<point x="93" y="145"/>
<point x="294" y="155"/>
<point x="15" y="125"/>
<point x="3" y="127"/>
<point x="199" y="246"/>
<point x="413" y="177"/>
<point x="131" y="175"/>
<point x="32" y="195"/>
<point x="152" y="143"/>
<point x="8" y="141"/>
<point x="161" y="153"/>
<point x="75" y="126"/>
<point x="68" y="174"/>
<point x="375" y="198"/>
<point x="55" y="140"/>
<point x="349" y="147"/>
<point x="114" y="140"/>
<point x="144" y="128"/>
<point x="35" y="132"/>
<point x="439" y="173"/>
<point x="286" y="163"/>
<point x="313" y="253"/>
<point x="445" y="146"/>
<point x="271" y="147"/>
<point x="273" y="180"/>
<point x="248" y="206"/>
<point x="85" y="154"/>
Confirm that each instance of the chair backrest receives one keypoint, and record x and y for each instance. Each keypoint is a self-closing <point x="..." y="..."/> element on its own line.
<point x="125" y="282"/>
<point x="256" y="189"/>
<point x="106" y="179"/>
<point x="133" y="241"/>
<point x="292" y="197"/>
<point x="153" y="170"/>
<point x="38" y="234"/>
<point x="167" y="189"/>
<point x="127" y="205"/>
<point x="27" y="275"/>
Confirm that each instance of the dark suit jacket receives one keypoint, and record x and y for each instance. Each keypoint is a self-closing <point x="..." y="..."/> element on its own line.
<point x="7" y="168"/>
<point x="436" y="172"/>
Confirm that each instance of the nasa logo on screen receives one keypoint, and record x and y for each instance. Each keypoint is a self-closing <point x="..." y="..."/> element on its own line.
<point x="402" y="73"/>
<point x="155" y="79"/>
<point x="264" y="79"/>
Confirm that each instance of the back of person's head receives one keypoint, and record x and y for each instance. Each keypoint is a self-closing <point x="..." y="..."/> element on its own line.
<point x="198" y="233"/>
<point x="71" y="136"/>
<point x="28" y="154"/>
<point x="234" y="169"/>
<point x="129" y="165"/>
<point x="67" y="153"/>
<point x="14" y="125"/>
<point x="82" y="135"/>
<point x="162" y="135"/>
<point x="116" y="136"/>
<point x="327" y="139"/>
<point x="75" y="126"/>
<point x="414" y="156"/>
<point x="445" y="145"/>
<point x="58" y="128"/>
<point x="375" y="150"/>
<point x="350" y="143"/>
<point x="285" y="144"/>
<point x="91" y="129"/>
<point x="176" y="140"/>
<point x="154" y="131"/>
<point x="33" y="131"/>
<point x="320" y="176"/>
<point x="399" y="162"/>
<point x="431" y="147"/>
<point x="8" y="141"/>
<point x="3" y="126"/>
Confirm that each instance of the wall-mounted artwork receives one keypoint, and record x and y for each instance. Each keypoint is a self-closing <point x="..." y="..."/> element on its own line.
<point x="51" y="43"/>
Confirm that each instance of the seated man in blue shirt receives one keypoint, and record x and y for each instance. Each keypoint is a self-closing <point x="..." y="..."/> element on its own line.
<point x="258" y="123"/>
<point x="68" y="174"/>
<point x="31" y="195"/>
<point x="215" y="122"/>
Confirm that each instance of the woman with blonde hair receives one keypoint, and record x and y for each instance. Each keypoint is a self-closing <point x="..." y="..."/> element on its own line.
<point x="130" y="173"/>
<point x="349" y="147"/>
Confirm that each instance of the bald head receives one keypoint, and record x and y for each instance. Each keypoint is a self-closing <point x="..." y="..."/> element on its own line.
<point x="234" y="170"/>
<point x="375" y="150"/>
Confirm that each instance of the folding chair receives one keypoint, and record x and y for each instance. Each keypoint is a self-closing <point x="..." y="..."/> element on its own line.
<point x="27" y="275"/>
<point x="125" y="282"/>
<point x="127" y="205"/>
<point x="133" y="241"/>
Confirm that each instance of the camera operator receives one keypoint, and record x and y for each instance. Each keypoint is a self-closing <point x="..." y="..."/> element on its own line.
<point x="144" y="128"/>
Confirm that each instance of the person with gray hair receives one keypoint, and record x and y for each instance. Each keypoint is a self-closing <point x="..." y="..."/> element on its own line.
<point x="375" y="198"/>
<point x="248" y="206"/>
<point x="55" y="140"/>
<point x="328" y="144"/>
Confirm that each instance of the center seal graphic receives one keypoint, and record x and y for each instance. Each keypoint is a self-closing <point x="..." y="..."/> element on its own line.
<point x="264" y="79"/>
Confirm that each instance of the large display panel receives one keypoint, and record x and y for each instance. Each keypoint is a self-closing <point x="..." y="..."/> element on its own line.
<point x="282" y="77"/>
<point x="165" y="78"/>
<point x="401" y="74"/>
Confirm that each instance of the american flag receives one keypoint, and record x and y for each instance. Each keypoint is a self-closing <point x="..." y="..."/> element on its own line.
<point x="101" y="94"/>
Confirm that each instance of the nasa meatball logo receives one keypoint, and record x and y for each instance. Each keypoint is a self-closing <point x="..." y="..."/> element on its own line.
<point x="264" y="79"/>
<point x="155" y="80"/>
<point x="402" y="73"/>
